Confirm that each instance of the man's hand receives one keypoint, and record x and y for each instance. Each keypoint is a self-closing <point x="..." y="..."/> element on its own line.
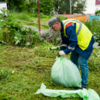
<point x="61" y="52"/>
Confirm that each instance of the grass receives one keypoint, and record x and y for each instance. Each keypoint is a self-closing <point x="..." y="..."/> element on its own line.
<point x="21" y="16"/>
<point x="24" y="16"/>
<point x="43" y="26"/>
<point x="22" y="70"/>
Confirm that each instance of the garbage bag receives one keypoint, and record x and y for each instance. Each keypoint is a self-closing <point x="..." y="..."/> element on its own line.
<point x="89" y="94"/>
<point x="64" y="72"/>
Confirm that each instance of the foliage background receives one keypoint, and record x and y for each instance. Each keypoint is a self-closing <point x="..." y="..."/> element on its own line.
<point x="46" y="6"/>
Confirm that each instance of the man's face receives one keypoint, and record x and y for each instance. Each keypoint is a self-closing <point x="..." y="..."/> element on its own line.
<point x="56" y="26"/>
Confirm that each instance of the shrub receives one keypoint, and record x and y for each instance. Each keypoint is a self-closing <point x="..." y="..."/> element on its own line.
<point x="13" y="33"/>
<point x="97" y="13"/>
<point x="94" y="28"/>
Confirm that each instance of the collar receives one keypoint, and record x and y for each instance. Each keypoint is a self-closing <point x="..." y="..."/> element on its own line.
<point x="62" y="27"/>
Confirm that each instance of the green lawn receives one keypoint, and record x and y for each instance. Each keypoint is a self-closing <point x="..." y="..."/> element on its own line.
<point x="30" y="20"/>
<point x="22" y="70"/>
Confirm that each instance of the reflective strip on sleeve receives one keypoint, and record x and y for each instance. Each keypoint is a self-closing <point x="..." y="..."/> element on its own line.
<point x="71" y="48"/>
<point x="64" y="45"/>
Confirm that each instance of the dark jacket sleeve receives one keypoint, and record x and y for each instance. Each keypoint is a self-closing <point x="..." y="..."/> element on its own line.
<point x="63" y="44"/>
<point x="72" y="39"/>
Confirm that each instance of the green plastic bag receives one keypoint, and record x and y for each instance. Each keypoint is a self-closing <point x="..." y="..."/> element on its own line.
<point x="64" y="72"/>
<point x="89" y="94"/>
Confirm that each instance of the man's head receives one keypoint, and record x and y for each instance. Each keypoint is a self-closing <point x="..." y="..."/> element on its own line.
<point x="54" y="23"/>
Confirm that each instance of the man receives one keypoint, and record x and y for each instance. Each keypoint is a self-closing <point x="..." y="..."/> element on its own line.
<point x="76" y="38"/>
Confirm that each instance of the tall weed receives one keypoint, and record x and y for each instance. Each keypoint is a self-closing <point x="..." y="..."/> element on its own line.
<point x="14" y="33"/>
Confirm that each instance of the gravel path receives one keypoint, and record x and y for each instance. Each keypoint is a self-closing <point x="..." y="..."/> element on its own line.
<point x="36" y="29"/>
<point x="96" y="45"/>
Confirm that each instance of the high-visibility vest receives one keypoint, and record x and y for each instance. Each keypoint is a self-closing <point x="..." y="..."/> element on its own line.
<point x="84" y="35"/>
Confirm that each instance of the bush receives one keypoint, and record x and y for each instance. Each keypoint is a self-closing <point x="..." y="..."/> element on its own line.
<point x="97" y="13"/>
<point x="13" y="33"/>
<point x="94" y="27"/>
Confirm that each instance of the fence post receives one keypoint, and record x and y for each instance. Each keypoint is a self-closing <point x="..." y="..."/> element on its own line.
<point x="38" y="16"/>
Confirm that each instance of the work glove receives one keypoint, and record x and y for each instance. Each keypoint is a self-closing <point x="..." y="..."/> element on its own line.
<point x="60" y="53"/>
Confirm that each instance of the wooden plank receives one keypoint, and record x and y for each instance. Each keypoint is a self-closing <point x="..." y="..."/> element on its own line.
<point x="80" y="18"/>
